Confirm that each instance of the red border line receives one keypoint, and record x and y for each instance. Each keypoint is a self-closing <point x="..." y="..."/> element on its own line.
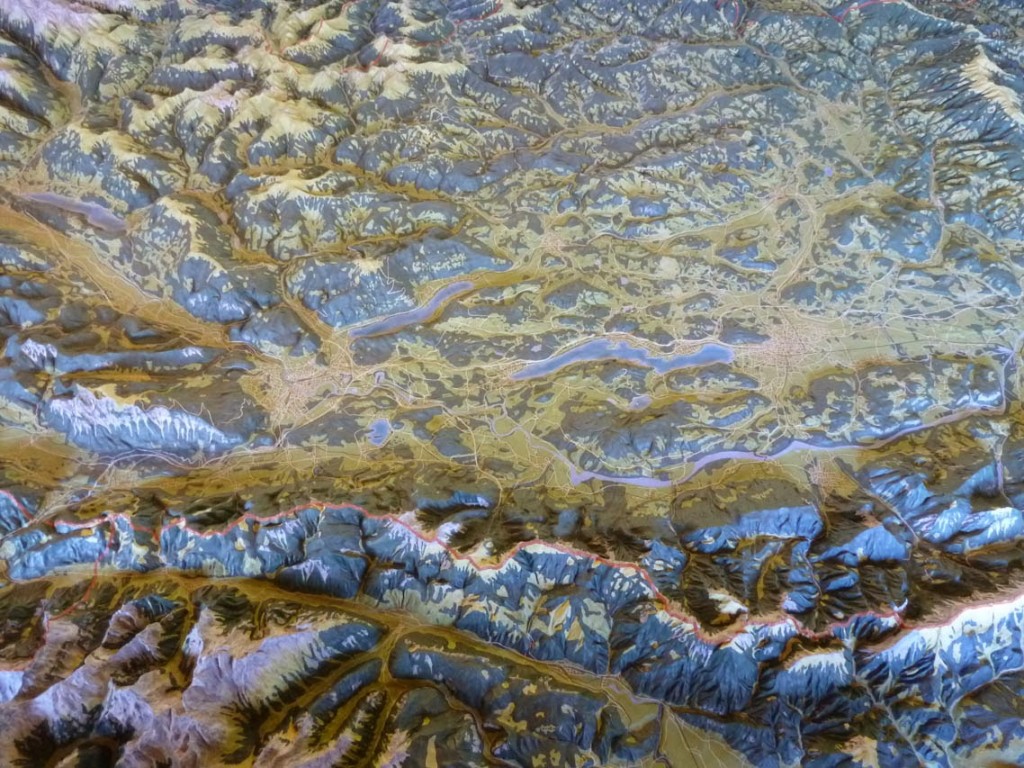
<point x="663" y="603"/>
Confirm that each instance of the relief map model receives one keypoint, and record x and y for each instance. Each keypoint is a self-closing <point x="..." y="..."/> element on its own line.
<point x="541" y="383"/>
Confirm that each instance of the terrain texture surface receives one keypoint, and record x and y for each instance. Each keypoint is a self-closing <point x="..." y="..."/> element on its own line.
<point x="446" y="383"/>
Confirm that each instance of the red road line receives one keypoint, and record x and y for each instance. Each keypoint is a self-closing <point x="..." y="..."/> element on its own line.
<point x="655" y="594"/>
<point x="720" y="4"/>
<point x="20" y="507"/>
<point x="691" y="623"/>
<point x="89" y="587"/>
<point x="457" y="24"/>
<point x="860" y="6"/>
<point x="457" y="557"/>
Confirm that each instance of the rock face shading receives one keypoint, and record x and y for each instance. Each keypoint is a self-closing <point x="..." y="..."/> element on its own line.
<point x="511" y="383"/>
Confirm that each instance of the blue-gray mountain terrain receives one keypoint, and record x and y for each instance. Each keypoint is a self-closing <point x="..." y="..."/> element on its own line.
<point x="455" y="383"/>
